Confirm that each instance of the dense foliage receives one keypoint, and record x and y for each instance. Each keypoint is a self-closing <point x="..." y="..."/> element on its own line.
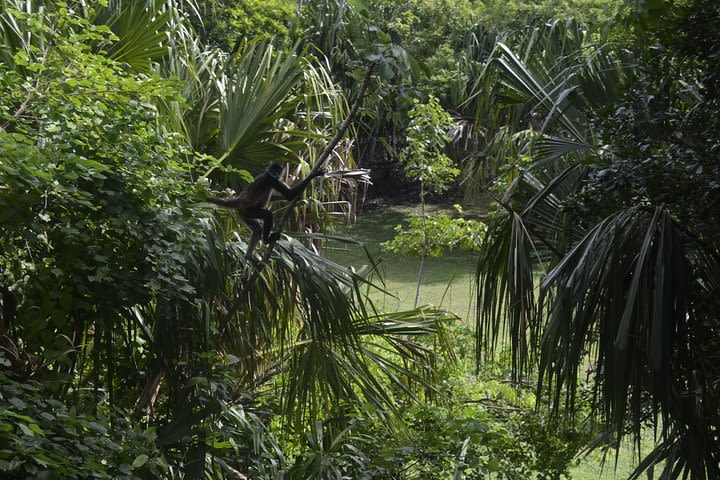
<point x="227" y="23"/>
<point x="137" y="341"/>
<point x="618" y="208"/>
<point x="116" y="277"/>
<point x="40" y="434"/>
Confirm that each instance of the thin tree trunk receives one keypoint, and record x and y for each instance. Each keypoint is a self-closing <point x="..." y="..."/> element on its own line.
<point x="425" y="244"/>
<point x="419" y="282"/>
<point x="97" y="344"/>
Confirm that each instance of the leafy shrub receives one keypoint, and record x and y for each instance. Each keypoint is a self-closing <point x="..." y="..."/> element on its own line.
<point x="224" y="23"/>
<point x="96" y="209"/>
<point x="442" y="232"/>
<point x="41" y="437"/>
<point x="474" y="429"/>
<point x="270" y="18"/>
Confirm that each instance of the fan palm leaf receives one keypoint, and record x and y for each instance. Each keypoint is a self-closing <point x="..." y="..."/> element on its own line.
<point x="335" y="351"/>
<point x="198" y="71"/>
<point x="141" y="28"/>
<point x="259" y="90"/>
<point x="628" y="287"/>
<point x="304" y="325"/>
<point x="545" y="82"/>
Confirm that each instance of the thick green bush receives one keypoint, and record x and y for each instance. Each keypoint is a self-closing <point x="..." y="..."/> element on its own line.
<point x="42" y="437"/>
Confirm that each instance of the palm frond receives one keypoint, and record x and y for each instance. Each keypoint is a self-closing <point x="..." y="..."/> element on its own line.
<point x="684" y="452"/>
<point x="631" y="283"/>
<point x="198" y="71"/>
<point x="548" y="95"/>
<point x="306" y="316"/>
<point x="257" y="93"/>
<point x="505" y="289"/>
<point x="141" y="28"/>
<point x="548" y="149"/>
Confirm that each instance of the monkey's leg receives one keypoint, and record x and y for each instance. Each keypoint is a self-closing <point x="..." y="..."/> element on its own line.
<point x="267" y="219"/>
<point x="268" y="236"/>
<point x="255" y="237"/>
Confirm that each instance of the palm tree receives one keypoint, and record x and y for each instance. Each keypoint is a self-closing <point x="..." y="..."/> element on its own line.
<point x="622" y="289"/>
<point x="305" y="338"/>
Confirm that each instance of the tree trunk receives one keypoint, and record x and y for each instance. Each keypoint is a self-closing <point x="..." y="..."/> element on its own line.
<point x="425" y="244"/>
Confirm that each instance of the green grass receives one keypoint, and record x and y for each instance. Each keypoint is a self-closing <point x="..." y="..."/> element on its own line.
<point x="591" y="467"/>
<point x="447" y="280"/>
<point x="448" y="283"/>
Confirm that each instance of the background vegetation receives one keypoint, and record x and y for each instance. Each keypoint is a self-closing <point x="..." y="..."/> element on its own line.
<point x="137" y="341"/>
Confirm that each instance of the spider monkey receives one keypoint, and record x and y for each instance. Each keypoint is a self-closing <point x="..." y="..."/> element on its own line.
<point x="252" y="202"/>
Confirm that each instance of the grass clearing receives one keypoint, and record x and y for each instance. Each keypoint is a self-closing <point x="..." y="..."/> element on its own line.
<point x="448" y="283"/>
<point x="447" y="280"/>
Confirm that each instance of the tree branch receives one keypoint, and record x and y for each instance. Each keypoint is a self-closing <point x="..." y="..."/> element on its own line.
<point x="286" y="214"/>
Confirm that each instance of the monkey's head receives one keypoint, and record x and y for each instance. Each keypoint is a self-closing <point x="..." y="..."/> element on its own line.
<point x="276" y="169"/>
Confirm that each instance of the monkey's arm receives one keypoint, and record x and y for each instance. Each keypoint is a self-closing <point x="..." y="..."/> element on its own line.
<point x="290" y="193"/>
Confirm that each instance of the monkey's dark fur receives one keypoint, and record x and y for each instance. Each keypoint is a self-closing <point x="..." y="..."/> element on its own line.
<point x="252" y="202"/>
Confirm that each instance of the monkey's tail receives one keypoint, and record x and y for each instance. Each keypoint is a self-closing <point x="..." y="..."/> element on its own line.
<point x="223" y="202"/>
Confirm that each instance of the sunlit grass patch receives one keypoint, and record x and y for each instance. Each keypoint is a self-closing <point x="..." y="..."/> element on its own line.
<point x="447" y="280"/>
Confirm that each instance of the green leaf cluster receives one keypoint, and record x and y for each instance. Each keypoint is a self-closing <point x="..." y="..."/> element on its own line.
<point x="250" y="19"/>
<point x="225" y="24"/>
<point x="440" y="231"/>
<point x="427" y="137"/>
<point x="41" y="434"/>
